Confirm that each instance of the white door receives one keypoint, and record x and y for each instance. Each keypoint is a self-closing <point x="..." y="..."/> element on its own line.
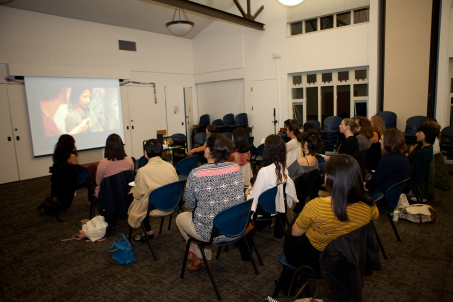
<point x="175" y="107"/>
<point x="265" y="105"/>
<point x="126" y="120"/>
<point x="8" y="162"/>
<point x="142" y="111"/>
<point x="189" y="115"/>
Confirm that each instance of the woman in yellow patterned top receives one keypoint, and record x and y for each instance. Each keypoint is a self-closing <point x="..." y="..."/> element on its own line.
<point x="325" y="219"/>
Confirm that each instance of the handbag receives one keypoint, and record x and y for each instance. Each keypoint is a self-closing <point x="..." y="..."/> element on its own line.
<point x="95" y="228"/>
<point x="270" y="299"/>
<point x="124" y="252"/>
<point x="419" y="213"/>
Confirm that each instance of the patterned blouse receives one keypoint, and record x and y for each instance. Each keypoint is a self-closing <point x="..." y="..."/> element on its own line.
<point x="239" y="158"/>
<point x="210" y="189"/>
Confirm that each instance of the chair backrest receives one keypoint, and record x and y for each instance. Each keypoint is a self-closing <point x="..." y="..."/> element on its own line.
<point x="267" y="200"/>
<point x="133" y="160"/>
<point x="241" y="119"/>
<point x="178" y="138"/>
<point x="228" y="135"/>
<point x="354" y="118"/>
<point x="332" y="123"/>
<point x="187" y="164"/>
<point x="217" y="122"/>
<point x="167" y="197"/>
<point x="233" y="221"/>
<point x="307" y="184"/>
<point x="296" y="122"/>
<point x="228" y="119"/>
<point x="377" y="197"/>
<point x="204" y="120"/>
<point x="413" y="123"/>
<point x="142" y="161"/>
<point x="250" y="140"/>
<point x="82" y="176"/>
<point x="448" y="131"/>
<point x="260" y="150"/>
<point x="316" y="123"/>
<point x="92" y="172"/>
<point x="365" y="152"/>
<point x="389" y="118"/>
<point x="200" y="138"/>
<point x="392" y="195"/>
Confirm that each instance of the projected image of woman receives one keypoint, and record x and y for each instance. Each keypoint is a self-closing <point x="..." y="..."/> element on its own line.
<point x="81" y="116"/>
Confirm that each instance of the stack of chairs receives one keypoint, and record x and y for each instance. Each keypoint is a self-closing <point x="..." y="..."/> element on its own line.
<point x="316" y="123"/>
<point x="412" y="124"/>
<point x="446" y="142"/>
<point x="200" y="127"/>
<point x="220" y="126"/>
<point x="389" y="119"/>
<point x="330" y="133"/>
<point x="241" y="120"/>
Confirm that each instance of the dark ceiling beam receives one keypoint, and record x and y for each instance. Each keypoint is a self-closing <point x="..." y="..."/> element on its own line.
<point x="212" y="12"/>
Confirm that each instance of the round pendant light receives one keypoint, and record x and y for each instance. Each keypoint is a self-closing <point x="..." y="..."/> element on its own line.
<point x="290" y="2"/>
<point x="180" y="27"/>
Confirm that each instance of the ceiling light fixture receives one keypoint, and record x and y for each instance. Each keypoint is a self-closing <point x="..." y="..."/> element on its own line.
<point x="290" y="2"/>
<point x="180" y="27"/>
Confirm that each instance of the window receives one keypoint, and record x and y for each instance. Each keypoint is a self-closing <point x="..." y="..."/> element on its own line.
<point x="360" y="89"/>
<point x="298" y="93"/>
<point x="311" y="25"/>
<point x="360" y="74"/>
<point x="297" y="80"/>
<point x="360" y="108"/>
<point x="326" y="102"/>
<point x="296" y="28"/>
<point x="312" y="103"/>
<point x="344" y="19"/>
<point x="298" y="112"/>
<point x="361" y="15"/>
<point x="451" y="87"/>
<point x="326" y="22"/>
<point x="344" y="101"/>
<point x="311" y="78"/>
<point x="343" y="76"/>
<point x="327" y="77"/>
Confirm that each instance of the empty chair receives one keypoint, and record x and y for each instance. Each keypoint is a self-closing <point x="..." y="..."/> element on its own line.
<point x="185" y="166"/>
<point x="228" y="135"/>
<point x="228" y="121"/>
<point x="250" y="140"/>
<point x="199" y="139"/>
<point x="446" y="141"/>
<point x="330" y="133"/>
<point x="142" y="161"/>
<point x="296" y="122"/>
<point x="220" y="126"/>
<point x="389" y="118"/>
<point x="258" y="156"/>
<point x="201" y="126"/>
<point x="316" y="123"/>
<point x="240" y="121"/>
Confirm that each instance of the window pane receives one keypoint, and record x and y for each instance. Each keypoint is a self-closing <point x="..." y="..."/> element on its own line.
<point x="343" y="76"/>
<point x="298" y="113"/>
<point x="312" y="103"/>
<point x="326" y="102"/>
<point x="362" y="15"/>
<point x="298" y="93"/>
<point x="311" y="25"/>
<point x="360" y="74"/>
<point x="344" y="19"/>
<point x="297" y="80"/>
<point x="344" y="101"/>
<point x="360" y="108"/>
<point x="327" y="77"/>
<point x="326" y="22"/>
<point x="296" y="28"/>
<point x="311" y="78"/>
<point x="360" y="89"/>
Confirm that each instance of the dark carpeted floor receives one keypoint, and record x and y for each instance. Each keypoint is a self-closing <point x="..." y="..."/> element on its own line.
<point x="36" y="266"/>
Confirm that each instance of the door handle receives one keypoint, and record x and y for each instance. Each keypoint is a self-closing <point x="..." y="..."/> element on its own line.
<point x="132" y="127"/>
<point x="9" y="138"/>
<point x="127" y="127"/>
<point x="182" y="123"/>
<point x="17" y="138"/>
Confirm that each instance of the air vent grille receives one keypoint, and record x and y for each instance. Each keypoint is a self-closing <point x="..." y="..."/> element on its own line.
<point x="127" y="45"/>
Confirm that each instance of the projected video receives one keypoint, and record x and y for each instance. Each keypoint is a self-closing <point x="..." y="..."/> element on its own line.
<point x="88" y="109"/>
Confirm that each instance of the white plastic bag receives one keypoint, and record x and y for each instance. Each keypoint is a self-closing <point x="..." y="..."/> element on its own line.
<point x="95" y="228"/>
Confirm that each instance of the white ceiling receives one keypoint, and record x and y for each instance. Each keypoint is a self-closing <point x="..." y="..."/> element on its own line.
<point x="144" y="15"/>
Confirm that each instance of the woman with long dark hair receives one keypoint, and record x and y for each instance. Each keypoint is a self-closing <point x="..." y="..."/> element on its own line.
<point x="293" y="132"/>
<point x="365" y="133"/>
<point x="65" y="150"/>
<point x="422" y="153"/>
<point x="374" y="153"/>
<point x="115" y="160"/>
<point x="311" y="143"/>
<point x="241" y="154"/>
<point x="325" y="219"/>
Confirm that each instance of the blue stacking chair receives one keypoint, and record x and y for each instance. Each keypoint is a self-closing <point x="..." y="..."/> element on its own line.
<point x="199" y="139"/>
<point x="231" y="222"/>
<point x="241" y="121"/>
<point x="165" y="198"/>
<point x="446" y="143"/>
<point x="316" y="123"/>
<point x="416" y="179"/>
<point x="330" y="133"/>
<point x="296" y="122"/>
<point x="228" y="135"/>
<point x="250" y="140"/>
<point x="258" y="156"/>
<point x="389" y="118"/>
<point x="201" y="126"/>
<point x="412" y="124"/>
<point x="228" y="121"/>
<point x="142" y="161"/>
<point x="220" y="126"/>
<point x="185" y="166"/>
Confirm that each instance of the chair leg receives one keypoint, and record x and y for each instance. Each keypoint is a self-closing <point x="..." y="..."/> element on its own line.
<point x="257" y="254"/>
<point x="169" y="223"/>
<point x="218" y="252"/>
<point x="161" y="224"/>
<point x="130" y="233"/>
<point x="185" y="257"/>
<point x="276" y="290"/>
<point x="394" y="228"/>
<point x="281" y="222"/>
<point x="251" y="256"/>
<point x="200" y="245"/>
<point x="149" y="242"/>
<point x="379" y="241"/>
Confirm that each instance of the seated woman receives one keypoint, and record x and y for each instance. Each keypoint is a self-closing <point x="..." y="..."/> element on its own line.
<point x="351" y="145"/>
<point x="115" y="160"/>
<point x="241" y="154"/>
<point x="422" y="153"/>
<point x="365" y="133"/>
<point x="374" y="153"/>
<point x="394" y="165"/>
<point x="210" y="189"/>
<point x="210" y="129"/>
<point x="65" y="150"/>
<point x="287" y="124"/>
<point x="325" y="219"/>
<point x="293" y="132"/>
<point x="311" y="142"/>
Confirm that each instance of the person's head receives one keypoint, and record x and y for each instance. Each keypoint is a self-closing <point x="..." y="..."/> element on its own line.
<point x="346" y="125"/>
<point x="293" y="131"/>
<point x="377" y="124"/>
<point x="393" y="141"/>
<point x="311" y="140"/>
<point x="363" y="127"/>
<point x="218" y="148"/>
<point x="309" y="126"/>
<point x="64" y="148"/>
<point x="240" y="140"/>
<point x="114" y="148"/>
<point x="433" y="123"/>
<point x="345" y="184"/>
<point x="426" y="133"/>
<point x="275" y="153"/>
<point x="81" y="96"/>
<point x="210" y="129"/>
<point x="153" y="148"/>
<point x="288" y="123"/>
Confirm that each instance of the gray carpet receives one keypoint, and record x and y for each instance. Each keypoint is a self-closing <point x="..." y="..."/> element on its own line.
<point x="36" y="266"/>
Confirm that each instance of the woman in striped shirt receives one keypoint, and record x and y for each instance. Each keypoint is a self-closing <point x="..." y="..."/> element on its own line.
<point x="325" y="219"/>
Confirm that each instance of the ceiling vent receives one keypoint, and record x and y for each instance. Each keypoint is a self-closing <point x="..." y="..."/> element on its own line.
<point x="127" y="45"/>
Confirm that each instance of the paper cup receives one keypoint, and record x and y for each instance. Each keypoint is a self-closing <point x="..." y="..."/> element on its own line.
<point x="396" y="215"/>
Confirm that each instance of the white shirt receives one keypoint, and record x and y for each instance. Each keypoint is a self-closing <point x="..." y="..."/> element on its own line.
<point x="292" y="145"/>
<point x="436" y="147"/>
